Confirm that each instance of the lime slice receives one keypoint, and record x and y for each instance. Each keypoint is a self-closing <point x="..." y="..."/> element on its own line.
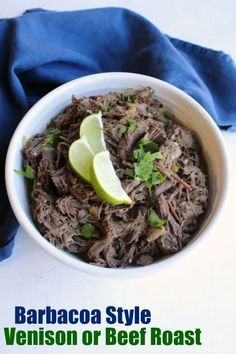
<point x="105" y="181"/>
<point x="81" y="158"/>
<point x="92" y="129"/>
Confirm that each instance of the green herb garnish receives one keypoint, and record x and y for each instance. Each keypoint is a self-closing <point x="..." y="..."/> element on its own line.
<point x="146" y="145"/>
<point x="156" y="178"/>
<point x="128" y="98"/>
<point x="87" y="230"/>
<point x="154" y="220"/>
<point x="29" y="172"/>
<point x="144" y="169"/>
<point x="122" y="129"/>
<point x="129" y="127"/>
<point x="149" y="145"/>
<point x="132" y="124"/>
<point x="52" y="139"/>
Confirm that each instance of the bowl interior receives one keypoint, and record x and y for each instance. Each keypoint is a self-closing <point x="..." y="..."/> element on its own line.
<point x="188" y="112"/>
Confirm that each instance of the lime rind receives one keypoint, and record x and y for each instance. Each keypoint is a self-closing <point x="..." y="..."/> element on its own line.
<point x="105" y="182"/>
<point x="92" y="129"/>
<point x="80" y="158"/>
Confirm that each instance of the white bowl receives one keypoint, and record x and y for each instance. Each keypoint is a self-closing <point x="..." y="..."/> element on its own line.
<point x="189" y="113"/>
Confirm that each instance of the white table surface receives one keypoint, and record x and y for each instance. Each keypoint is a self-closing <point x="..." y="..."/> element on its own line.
<point x="200" y="289"/>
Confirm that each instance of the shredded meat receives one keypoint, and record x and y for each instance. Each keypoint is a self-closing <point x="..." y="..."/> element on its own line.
<point x="62" y="204"/>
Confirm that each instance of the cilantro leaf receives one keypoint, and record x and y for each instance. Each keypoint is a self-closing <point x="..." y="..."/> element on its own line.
<point x="144" y="146"/>
<point x="157" y="155"/>
<point x="122" y="129"/>
<point x="129" y="127"/>
<point x="29" y="172"/>
<point x="157" y="178"/>
<point x="138" y="154"/>
<point x="128" y="98"/>
<point x="154" y="220"/>
<point x="87" y="230"/>
<point x="144" y="169"/>
<point x="132" y="125"/>
<point x="148" y="145"/>
<point x="52" y="139"/>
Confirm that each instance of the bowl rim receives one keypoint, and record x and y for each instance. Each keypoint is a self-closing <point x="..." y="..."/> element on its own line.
<point x="69" y="259"/>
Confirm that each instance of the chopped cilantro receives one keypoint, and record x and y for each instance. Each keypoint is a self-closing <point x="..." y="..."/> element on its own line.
<point x="129" y="127"/>
<point x="128" y="98"/>
<point x="146" y="145"/>
<point x="29" y="172"/>
<point x="87" y="230"/>
<point x="154" y="220"/>
<point x="138" y="153"/>
<point x="149" y="145"/>
<point x="132" y="124"/>
<point x="144" y="169"/>
<point x="122" y="129"/>
<point x="52" y="139"/>
<point x="157" y="178"/>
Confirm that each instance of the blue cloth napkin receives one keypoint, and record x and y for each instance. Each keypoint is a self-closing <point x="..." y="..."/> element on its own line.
<point x="43" y="49"/>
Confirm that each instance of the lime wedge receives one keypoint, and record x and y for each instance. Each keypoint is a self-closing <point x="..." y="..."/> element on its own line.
<point x="81" y="158"/>
<point x="92" y="129"/>
<point x="105" y="181"/>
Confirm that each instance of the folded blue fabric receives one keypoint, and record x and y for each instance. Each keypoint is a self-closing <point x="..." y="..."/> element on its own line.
<point x="43" y="49"/>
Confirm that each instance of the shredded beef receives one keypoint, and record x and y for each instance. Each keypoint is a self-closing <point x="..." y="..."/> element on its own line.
<point x="62" y="204"/>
